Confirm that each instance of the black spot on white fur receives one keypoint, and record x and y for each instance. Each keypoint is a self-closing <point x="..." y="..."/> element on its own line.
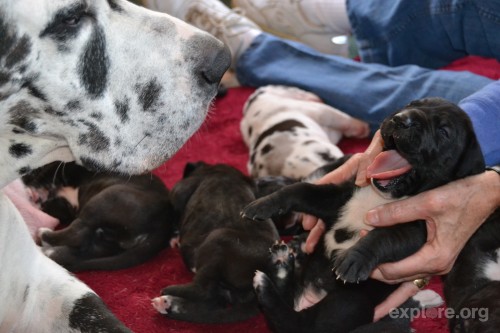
<point x="21" y="116"/>
<point x="7" y="39"/>
<point x="149" y="94"/>
<point x="284" y="126"/>
<point x="94" y="138"/>
<point x="73" y="105"/>
<point x="122" y="108"/>
<point x="24" y="170"/>
<point x="19" y="150"/>
<point x="266" y="149"/>
<point x="36" y="91"/>
<point x="342" y="235"/>
<point x="94" y="64"/>
<point x="19" y="52"/>
<point x="89" y="314"/>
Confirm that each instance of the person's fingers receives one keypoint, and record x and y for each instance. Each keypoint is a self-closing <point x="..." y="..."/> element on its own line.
<point x="343" y="173"/>
<point x="367" y="157"/>
<point x="314" y="236"/>
<point x="398" y="297"/>
<point x="401" y="211"/>
<point x="309" y="221"/>
<point x="427" y="261"/>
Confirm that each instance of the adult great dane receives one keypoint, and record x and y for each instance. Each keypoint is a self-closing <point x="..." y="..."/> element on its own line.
<point x="109" y="85"/>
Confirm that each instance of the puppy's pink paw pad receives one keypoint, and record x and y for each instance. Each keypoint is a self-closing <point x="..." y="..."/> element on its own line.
<point x="161" y="304"/>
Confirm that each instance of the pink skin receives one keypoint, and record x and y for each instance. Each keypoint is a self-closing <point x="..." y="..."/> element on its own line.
<point x="25" y="202"/>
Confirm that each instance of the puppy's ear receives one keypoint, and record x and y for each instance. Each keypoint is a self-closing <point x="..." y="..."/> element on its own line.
<point x="472" y="160"/>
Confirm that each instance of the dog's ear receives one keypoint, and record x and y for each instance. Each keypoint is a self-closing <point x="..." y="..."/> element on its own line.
<point x="471" y="161"/>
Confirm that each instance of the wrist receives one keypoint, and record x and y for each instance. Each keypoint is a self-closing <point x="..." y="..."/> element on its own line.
<point x="494" y="173"/>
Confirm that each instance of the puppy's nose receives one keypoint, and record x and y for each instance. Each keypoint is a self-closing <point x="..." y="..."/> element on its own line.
<point x="403" y="120"/>
<point x="213" y="62"/>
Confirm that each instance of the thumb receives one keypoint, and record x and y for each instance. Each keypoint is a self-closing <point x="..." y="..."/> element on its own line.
<point x="401" y="211"/>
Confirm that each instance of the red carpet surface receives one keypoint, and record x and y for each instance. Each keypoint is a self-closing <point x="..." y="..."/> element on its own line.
<point x="128" y="292"/>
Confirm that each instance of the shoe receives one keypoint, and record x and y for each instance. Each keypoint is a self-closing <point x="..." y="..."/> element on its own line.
<point x="285" y="18"/>
<point x="228" y="25"/>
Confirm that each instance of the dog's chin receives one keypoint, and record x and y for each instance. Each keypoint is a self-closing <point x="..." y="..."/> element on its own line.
<point x="387" y="187"/>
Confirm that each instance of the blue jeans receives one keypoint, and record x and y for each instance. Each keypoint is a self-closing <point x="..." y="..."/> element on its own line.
<point x="396" y="40"/>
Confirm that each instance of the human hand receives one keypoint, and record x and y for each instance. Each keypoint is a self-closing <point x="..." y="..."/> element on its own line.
<point x="452" y="212"/>
<point x="355" y="166"/>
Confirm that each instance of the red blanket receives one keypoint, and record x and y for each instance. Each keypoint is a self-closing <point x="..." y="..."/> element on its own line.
<point x="128" y="292"/>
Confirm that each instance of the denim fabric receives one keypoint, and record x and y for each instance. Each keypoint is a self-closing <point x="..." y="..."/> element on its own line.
<point x="428" y="33"/>
<point x="367" y="91"/>
<point x="483" y="108"/>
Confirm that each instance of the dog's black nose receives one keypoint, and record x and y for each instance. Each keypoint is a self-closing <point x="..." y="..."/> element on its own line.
<point x="214" y="62"/>
<point x="403" y="120"/>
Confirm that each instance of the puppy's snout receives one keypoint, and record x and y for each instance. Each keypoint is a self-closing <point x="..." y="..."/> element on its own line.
<point x="213" y="62"/>
<point x="403" y="120"/>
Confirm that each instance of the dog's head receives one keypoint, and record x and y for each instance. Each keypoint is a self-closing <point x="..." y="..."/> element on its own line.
<point x="428" y="143"/>
<point x="104" y="82"/>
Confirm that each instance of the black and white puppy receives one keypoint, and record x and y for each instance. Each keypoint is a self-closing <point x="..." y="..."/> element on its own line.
<point x="472" y="287"/>
<point x="291" y="132"/>
<point x="115" y="221"/>
<point x="428" y="143"/>
<point x="221" y="248"/>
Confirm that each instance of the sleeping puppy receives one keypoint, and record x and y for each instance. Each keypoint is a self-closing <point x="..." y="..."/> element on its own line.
<point x="114" y="221"/>
<point x="427" y="144"/>
<point x="291" y="132"/>
<point x="220" y="247"/>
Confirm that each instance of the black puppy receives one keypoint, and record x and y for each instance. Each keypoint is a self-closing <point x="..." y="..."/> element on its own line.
<point x="220" y="247"/>
<point x="472" y="287"/>
<point x="114" y="221"/>
<point x="427" y="144"/>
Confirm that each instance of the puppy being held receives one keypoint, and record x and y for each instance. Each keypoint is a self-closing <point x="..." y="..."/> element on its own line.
<point x="291" y="132"/>
<point x="220" y="247"/>
<point x="115" y="221"/>
<point x="427" y="144"/>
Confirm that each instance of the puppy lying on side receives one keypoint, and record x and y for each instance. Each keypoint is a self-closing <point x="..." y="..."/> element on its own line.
<point x="223" y="249"/>
<point x="291" y="132"/>
<point x="427" y="144"/>
<point x="114" y="221"/>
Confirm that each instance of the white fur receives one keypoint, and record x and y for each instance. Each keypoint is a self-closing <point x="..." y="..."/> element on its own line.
<point x="296" y="153"/>
<point x="491" y="268"/>
<point x="352" y="217"/>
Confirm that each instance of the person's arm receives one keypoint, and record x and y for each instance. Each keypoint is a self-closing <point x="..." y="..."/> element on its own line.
<point x="483" y="108"/>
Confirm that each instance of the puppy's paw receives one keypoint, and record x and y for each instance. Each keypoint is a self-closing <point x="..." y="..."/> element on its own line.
<point x="41" y="233"/>
<point x="352" y="267"/>
<point x="356" y="129"/>
<point x="262" y="209"/>
<point x="260" y="282"/>
<point x="428" y="299"/>
<point x="166" y="304"/>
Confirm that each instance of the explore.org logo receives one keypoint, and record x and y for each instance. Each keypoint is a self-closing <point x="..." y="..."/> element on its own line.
<point x="466" y="313"/>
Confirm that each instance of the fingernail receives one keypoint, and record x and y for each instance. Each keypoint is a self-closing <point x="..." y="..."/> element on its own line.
<point x="371" y="218"/>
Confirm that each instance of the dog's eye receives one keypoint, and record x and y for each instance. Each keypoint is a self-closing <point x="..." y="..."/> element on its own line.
<point x="72" y="20"/>
<point x="444" y="131"/>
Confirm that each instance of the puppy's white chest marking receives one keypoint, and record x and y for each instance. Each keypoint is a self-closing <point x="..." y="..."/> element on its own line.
<point x="352" y="217"/>
<point x="492" y="268"/>
<point x="70" y="194"/>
